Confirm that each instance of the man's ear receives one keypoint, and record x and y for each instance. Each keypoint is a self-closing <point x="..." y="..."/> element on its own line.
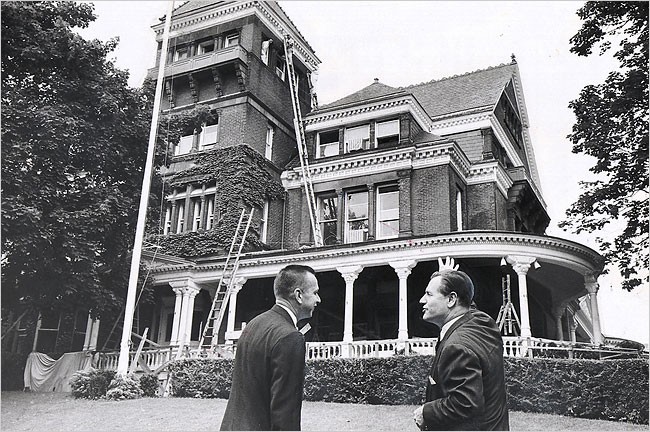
<point x="297" y="294"/>
<point x="453" y="299"/>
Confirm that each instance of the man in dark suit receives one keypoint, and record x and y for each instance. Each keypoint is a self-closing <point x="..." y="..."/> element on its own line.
<point x="466" y="384"/>
<point x="268" y="373"/>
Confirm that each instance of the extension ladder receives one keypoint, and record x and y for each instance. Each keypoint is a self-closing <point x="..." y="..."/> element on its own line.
<point x="505" y="319"/>
<point x="300" y="139"/>
<point x="210" y="333"/>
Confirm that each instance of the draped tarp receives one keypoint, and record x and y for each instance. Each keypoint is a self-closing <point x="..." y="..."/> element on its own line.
<point x="44" y="374"/>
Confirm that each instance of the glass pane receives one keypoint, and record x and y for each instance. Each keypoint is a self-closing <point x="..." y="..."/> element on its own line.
<point x="329" y="233"/>
<point x="357" y="205"/>
<point x="389" y="200"/>
<point x="328" y="208"/>
<point x="388" y="128"/>
<point x="358" y="225"/>
<point x="184" y="145"/>
<point x="388" y="229"/>
<point x="210" y="134"/>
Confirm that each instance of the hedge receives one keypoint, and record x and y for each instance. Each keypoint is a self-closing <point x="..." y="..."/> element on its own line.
<point x="595" y="389"/>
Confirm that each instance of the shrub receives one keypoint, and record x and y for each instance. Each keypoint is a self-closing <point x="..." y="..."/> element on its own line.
<point x="91" y="383"/>
<point x="123" y="387"/>
<point x="607" y="390"/>
<point x="13" y="369"/>
<point x="149" y="385"/>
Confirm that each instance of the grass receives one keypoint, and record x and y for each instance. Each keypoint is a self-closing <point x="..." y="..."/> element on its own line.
<point x="61" y="412"/>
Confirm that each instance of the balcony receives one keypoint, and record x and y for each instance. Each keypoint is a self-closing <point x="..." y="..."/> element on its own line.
<point x="203" y="61"/>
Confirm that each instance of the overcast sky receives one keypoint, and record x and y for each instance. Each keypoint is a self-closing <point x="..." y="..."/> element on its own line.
<point x="404" y="43"/>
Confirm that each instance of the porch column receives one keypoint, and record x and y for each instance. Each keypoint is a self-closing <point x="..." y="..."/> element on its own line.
<point x="349" y="274"/>
<point x="237" y="285"/>
<point x="187" y="310"/>
<point x="591" y="285"/>
<point x="403" y="270"/>
<point x="558" y="313"/>
<point x="92" y="331"/>
<point x="89" y="328"/>
<point x="521" y="265"/>
<point x="177" y="287"/>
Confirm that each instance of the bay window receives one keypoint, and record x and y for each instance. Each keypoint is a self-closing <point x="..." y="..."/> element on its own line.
<point x="387" y="212"/>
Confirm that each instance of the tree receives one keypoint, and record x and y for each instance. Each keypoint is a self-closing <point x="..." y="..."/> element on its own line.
<point x="74" y="138"/>
<point x="612" y="126"/>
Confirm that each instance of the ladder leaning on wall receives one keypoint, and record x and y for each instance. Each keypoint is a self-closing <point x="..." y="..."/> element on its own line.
<point x="300" y="139"/>
<point x="210" y="334"/>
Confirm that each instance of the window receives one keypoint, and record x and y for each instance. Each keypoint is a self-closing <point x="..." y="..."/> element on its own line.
<point x="231" y="39"/>
<point x="357" y="138"/>
<point x="205" y="47"/>
<point x="279" y="67"/>
<point x="328" y="143"/>
<point x="356" y="226"/>
<point x="264" y="222"/>
<point x="196" y="214"/>
<point x="265" y="51"/>
<point x="270" y="131"/>
<point x="459" y="210"/>
<point x="387" y="212"/>
<point x="387" y="133"/>
<point x="327" y="218"/>
<point x="209" y="220"/>
<point x="168" y="220"/>
<point x="181" y="53"/>
<point x="184" y="145"/>
<point x="181" y="217"/>
<point x="209" y="136"/>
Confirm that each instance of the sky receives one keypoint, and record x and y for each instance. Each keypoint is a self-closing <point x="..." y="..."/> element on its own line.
<point x="404" y="43"/>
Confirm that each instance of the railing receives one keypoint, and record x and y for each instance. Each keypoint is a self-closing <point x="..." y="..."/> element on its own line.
<point x="513" y="346"/>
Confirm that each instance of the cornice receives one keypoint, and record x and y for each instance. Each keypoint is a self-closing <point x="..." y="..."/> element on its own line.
<point x="491" y="171"/>
<point x="200" y="19"/>
<point x="465" y="244"/>
<point x="368" y="111"/>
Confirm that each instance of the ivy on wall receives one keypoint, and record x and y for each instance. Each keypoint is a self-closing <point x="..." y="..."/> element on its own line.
<point x="243" y="178"/>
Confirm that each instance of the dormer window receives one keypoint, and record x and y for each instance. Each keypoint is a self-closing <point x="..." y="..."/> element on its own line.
<point x="181" y="53"/>
<point x="231" y="39"/>
<point x="387" y="133"/>
<point x="357" y="138"/>
<point x="205" y="47"/>
<point x="328" y="143"/>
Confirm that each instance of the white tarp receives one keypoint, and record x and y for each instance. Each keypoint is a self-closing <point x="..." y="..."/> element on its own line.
<point x="44" y="374"/>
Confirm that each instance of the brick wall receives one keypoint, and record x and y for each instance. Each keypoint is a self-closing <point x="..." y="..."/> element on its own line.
<point x="293" y="219"/>
<point x="430" y="205"/>
<point x="275" y="224"/>
<point x="501" y="211"/>
<point x="481" y="207"/>
<point x="232" y="122"/>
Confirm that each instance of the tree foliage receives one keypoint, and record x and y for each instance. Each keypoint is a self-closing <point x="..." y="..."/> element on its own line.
<point x="73" y="152"/>
<point x="612" y="126"/>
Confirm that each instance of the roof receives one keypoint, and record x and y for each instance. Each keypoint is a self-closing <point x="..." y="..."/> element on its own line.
<point x="465" y="92"/>
<point x="373" y="91"/>
<point x="459" y="93"/>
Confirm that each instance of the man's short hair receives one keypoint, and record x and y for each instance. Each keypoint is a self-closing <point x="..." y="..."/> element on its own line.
<point x="290" y="278"/>
<point x="458" y="282"/>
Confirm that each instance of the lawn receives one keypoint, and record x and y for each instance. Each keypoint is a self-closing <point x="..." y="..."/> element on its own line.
<point x="61" y="412"/>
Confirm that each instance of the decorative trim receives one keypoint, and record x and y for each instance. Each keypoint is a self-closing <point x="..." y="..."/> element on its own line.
<point x="490" y="172"/>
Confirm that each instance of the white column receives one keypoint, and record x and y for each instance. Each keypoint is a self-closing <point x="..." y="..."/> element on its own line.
<point x="237" y="285"/>
<point x="187" y="311"/>
<point x="349" y="274"/>
<point x="178" y="290"/>
<point x="558" y="313"/>
<point x="521" y="265"/>
<point x="591" y="285"/>
<point x="89" y="328"/>
<point x="403" y="270"/>
<point x="94" y="334"/>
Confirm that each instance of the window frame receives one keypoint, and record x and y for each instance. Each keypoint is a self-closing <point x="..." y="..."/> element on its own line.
<point x="365" y="142"/>
<point x="177" y="53"/>
<point x="383" y="191"/>
<point x="320" y="146"/>
<point x="200" y="47"/>
<point x="202" y="144"/>
<point x="322" y="220"/>
<point x="228" y="40"/>
<point x="268" y="141"/>
<point x="348" y="221"/>
<point x="377" y="137"/>
<point x="183" y="141"/>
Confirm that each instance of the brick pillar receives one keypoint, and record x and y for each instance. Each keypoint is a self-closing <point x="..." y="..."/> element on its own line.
<point x="404" y="203"/>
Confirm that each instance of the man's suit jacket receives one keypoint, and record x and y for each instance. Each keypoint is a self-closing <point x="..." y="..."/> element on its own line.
<point x="466" y="383"/>
<point x="268" y="375"/>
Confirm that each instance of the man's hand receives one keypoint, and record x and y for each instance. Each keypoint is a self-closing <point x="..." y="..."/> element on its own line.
<point x="449" y="264"/>
<point x="418" y="416"/>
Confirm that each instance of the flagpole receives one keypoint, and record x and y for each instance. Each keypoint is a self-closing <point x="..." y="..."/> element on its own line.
<point x="123" y="361"/>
